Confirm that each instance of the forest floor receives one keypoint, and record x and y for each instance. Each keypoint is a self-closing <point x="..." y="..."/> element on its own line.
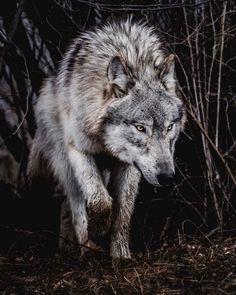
<point x="184" y="266"/>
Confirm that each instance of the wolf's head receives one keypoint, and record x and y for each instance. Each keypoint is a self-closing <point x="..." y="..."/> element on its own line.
<point x="143" y="119"/>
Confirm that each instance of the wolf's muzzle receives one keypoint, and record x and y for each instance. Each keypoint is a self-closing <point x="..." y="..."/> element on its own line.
<point x="166" y="178"/>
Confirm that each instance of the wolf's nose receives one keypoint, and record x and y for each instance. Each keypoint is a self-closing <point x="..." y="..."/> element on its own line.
<point x="166" y="178"/>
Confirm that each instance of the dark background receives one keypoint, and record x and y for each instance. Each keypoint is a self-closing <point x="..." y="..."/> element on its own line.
<point x="201" y="34"/>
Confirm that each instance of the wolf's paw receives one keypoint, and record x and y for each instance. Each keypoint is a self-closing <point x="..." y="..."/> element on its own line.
<point x="120" y="254"/>
<point x="119" y="262"/>
<point x="100" y="216"/>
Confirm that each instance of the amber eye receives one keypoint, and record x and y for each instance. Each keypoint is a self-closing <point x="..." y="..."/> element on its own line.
<point x="140" y="128"/>
<point x="170" y="127"/>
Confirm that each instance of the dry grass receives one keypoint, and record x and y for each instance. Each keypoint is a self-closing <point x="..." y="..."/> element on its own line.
<point x="181" y="267"/>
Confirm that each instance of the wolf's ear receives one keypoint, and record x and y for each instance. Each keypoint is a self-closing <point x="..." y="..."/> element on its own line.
<point x="167" y="74"/>
<point x="119" y="76"/>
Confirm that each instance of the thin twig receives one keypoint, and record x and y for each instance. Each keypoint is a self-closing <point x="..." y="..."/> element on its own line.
<point x="220" y="72"/>
<point x="215" y="149"/>
<point x="11" y="33"/>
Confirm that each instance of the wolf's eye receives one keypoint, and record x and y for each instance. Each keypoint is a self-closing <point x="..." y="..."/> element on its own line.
<point x="140" y="128"/>
<point x="170" y="127"/>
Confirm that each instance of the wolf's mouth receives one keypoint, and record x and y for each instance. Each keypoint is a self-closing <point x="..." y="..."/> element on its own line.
<point x="157" y="184"/>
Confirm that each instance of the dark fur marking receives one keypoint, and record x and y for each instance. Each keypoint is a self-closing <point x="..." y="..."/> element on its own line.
<point x="137" y="142"/>
<point x="115" y="120"/>
<point x="72" y="62"/>
<point x="56" y="117"/>
<point x="54" y="86"/>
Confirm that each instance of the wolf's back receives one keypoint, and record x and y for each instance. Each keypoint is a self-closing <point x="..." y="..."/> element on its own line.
<point x="137" y="44"/>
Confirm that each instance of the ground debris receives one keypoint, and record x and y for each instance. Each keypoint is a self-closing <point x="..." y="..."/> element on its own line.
<point x="193" y="267"/>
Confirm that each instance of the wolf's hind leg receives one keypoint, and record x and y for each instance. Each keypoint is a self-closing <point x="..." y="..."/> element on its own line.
<point x="67" y="231"/>
<point x="79" y="214"/>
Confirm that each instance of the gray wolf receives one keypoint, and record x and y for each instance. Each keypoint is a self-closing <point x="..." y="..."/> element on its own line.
<point x="113" y="97"/>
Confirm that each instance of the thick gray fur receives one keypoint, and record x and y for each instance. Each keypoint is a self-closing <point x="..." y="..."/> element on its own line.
<point x="114" y="95"/>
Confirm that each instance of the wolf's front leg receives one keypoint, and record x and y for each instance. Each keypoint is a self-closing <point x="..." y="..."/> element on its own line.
<point x="98" y="201"/>
<point x="125" y="182"/>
